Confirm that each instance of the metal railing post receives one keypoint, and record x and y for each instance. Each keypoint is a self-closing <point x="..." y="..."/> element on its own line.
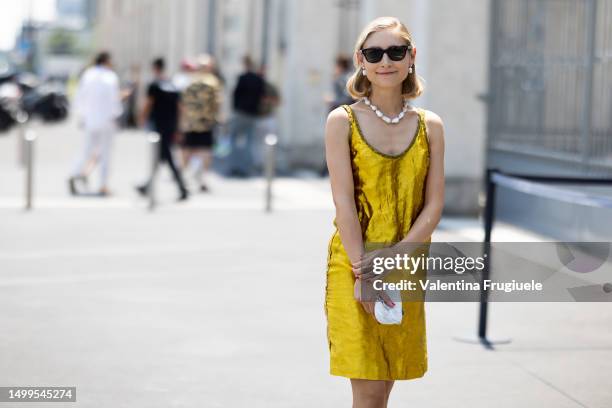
<point x="271" y="140"/>
<point x="483" y="309"/>
<point x="29" y="139"/>
<point x="154" y="139"/>
<point x="489" y="216"/>
<point x="22" y="119"/>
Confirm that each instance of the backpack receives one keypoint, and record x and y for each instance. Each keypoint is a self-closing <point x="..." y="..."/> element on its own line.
<point x="200" y="105"/>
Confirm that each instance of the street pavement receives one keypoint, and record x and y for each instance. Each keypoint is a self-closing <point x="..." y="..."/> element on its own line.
<point x="216" y="303"/>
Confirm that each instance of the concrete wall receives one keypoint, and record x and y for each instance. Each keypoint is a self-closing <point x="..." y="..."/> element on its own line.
<point x="457" y="69"/>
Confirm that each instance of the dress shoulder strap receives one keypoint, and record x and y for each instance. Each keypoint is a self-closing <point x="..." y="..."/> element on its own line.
<point x="423" y="127"/>
<point x="349" y="111"/>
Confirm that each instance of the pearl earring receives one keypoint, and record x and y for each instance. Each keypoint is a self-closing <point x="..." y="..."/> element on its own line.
<point x="411" y="70"/>
<point x="364" y="72"/>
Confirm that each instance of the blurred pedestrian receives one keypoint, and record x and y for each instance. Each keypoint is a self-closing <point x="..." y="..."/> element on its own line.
<point x="98" y="107"/>
<point x="339" y="93"/>
<point x="342" y="72"/>
<point x="161" y="110"/>
<point x="247" y="99"/>
<point x="201" y="102"/>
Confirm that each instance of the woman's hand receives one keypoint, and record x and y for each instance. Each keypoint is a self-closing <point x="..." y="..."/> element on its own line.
<point x="368" y="306"/>
<point x="366" y="295"/>
<point x="364" y="268"/>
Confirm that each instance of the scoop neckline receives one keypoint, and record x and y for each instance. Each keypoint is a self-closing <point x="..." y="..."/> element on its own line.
<point x="374" y="149"/>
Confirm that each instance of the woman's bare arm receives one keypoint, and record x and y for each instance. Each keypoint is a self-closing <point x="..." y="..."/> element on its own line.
<point x="337" y="153"/>
<point x="431" y="213"/>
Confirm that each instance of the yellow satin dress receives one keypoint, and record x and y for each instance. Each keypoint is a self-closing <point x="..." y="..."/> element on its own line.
<point x="389" y="195"/>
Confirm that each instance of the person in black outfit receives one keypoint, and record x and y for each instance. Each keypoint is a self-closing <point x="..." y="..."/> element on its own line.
<point x="247" y="98"/>
<point x="162" y="110"/>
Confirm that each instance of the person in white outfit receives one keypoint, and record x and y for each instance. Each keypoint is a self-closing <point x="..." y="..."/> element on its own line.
<point x="98" y="106"/>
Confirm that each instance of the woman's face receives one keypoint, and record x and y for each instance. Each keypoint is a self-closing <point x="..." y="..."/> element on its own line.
<point x="386" y="73"/>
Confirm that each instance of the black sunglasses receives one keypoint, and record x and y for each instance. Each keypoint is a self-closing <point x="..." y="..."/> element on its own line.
<point x="395" y="53"/>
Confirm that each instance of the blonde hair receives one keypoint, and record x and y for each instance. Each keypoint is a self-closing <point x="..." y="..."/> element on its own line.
<point x="358" y="85"/>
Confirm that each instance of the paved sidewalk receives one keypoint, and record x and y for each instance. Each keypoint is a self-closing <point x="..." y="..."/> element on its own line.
<point x="214" y="303"/>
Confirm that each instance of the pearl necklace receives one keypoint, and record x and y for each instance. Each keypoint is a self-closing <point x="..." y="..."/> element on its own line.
<point x="384" y="117"/>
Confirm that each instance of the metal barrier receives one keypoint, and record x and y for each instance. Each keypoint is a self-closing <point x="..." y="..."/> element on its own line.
<point x="22" y="119"/>
<point x="29" y="137"/>
<point x="154" y="139"/>
<point x="533" y="185"/>
<point x="271" y="141"/>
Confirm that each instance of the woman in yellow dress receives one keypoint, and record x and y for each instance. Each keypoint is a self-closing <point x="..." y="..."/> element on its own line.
<point x="386" y="166"/>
